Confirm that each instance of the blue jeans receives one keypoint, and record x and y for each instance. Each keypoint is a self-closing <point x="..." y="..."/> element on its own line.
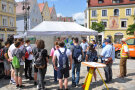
<point x="76" y="69"/>
<point x="84" y="53"/>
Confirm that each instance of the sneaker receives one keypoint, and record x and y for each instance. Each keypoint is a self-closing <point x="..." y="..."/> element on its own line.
<point x="21" y="86"/>
<point x="10" y="81"/>
<point x="35" y="83"/>
<point x="66" y="89"/>
<point x="26" y="77"/>
<point x="31" y="78"/>
<point x="17" y="86"/>
<point x="37" y="86"/>
<point x="73" y="85"/>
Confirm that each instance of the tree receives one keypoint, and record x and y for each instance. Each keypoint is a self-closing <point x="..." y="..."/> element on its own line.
<point x="131" y="28"/>
<point x="98" y="27"/>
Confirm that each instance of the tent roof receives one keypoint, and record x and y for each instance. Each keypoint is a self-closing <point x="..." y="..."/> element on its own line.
<point x="60" y="28"/>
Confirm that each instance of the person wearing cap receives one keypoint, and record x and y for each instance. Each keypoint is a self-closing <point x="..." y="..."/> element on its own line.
<point x="124" y="56"/>
<point x="108" y="56"/>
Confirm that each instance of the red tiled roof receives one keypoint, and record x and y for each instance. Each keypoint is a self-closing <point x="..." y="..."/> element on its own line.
<point x="41" y="6"/>
<point x="94" y="3"/>
<point x="50" y="9"/>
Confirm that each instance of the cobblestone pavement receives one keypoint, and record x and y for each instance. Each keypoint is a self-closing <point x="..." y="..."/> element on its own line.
<point x="127" y="83"/>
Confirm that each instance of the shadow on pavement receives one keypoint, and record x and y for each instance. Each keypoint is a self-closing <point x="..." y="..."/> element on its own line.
<point x="131" y="74"/>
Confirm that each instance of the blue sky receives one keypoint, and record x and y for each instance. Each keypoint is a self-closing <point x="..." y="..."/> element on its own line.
<point x="70" y="8"/>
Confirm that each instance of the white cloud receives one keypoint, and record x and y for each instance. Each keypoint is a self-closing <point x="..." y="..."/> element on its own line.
<point x="79" y="17"/>
<point x="59" y="14"/>
<point x="18" y="0"/>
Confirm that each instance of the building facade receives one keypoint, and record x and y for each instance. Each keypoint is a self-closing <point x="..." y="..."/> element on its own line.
<point x="7" y="18"/>
<point x="53" y="13"/>
<point x="115" y="15"/>
<point x="34" y="16"/>
<point x="45" y="12"/>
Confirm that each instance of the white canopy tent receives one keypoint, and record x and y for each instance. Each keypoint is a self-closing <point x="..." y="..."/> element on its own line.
<point x="54" y="28"/>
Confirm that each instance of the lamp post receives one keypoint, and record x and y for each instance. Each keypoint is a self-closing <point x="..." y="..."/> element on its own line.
<point x="26" y="9"/>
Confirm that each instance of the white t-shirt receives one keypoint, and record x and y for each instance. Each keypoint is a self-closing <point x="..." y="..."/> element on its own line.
<point x="10" y="51"/>
<point x="57" y="54"/>
<point x="29" y="49"/>
<point x="84" y="46"/>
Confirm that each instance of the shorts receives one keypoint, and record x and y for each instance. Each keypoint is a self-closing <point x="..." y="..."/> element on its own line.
<point x="35" y="69"/>
<point x="19" y="71"/>
<point x="63" y="73"/>
<point x="6" y="65"/>
<point x="11" y="66"/>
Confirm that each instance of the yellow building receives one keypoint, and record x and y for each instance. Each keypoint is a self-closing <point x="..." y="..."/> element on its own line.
<point x="7" y="18"/>
<point x="45" y="12"/>
<point x="116" y="15"/>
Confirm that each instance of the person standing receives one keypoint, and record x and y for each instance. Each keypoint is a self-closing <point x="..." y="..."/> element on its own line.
<point x="77" y="52"/>
<point x="84" y="46"/>
<point x="124" y="56"/>
<point x="108" y="55"/>
<point x="51" y="55"/>
<point x="6" y="60"/>
<point x="28" y="60"/>
<point x="64" y="56"/>
<point x="10" y="53"/>
<point x="91" y="56"/>
<point x="19" y="71"/>
<point x="41" y="60"/>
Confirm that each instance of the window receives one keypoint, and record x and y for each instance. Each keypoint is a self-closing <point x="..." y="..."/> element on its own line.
<point x="4" y="21"/>
<point x="4" y="6"/>
<point x="123" y="24"/>
<point x="128" y="12"/>
<point x="104" y="23"/>
<point x="104" y="12"/>
<point x="131" y="42"/>
<point x="100" y="1"/>
<point x="94" y="13"/>
<point x="115" y="1"/>
<point x="11" y="8"/>
<point x="11" y="22"/>
<point x="2" y="37"/>
<point x="116" y="12"/>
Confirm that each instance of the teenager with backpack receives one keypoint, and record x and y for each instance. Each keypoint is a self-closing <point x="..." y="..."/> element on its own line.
<point x="18" y="64"/>
<point x="64" y="56"/>
<point x="28" y="60"/>
<point x="51" y="55"/>
<point x="77" y="54"/>
<point x="91" y="56"/>
<point x="6" y="60"/>
<point x="41" y="60"/>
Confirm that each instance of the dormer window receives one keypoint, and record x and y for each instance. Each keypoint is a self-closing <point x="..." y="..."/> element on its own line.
<point x="100" y="1"/>
<point x="116" y="1"/>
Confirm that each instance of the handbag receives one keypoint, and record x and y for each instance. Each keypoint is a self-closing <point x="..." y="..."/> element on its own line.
<point x="109" y="59"/>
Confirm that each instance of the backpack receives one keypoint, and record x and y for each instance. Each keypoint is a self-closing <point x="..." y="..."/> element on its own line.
<point x="63" y="59"/>
<point x="15" y="62"/>
<point x="1" y="54"/>
<point x="40" y="61"/>
<point x="77" y="54"/>
<point x="26" y="53"/>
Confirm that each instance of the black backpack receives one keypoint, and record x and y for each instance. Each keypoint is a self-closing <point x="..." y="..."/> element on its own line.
<point x="40" y="61"/>
<point x="77" y="53"/>
<point x="63" y="59"/>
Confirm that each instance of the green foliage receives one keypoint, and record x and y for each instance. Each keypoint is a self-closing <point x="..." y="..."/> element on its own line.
<point x="131" y="29"/>
<point x="98" y="27"/>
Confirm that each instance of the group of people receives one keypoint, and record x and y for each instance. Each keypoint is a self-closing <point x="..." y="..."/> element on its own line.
<point x="63" y="60"/>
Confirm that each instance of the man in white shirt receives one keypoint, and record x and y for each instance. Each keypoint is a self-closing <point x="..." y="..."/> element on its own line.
<point x="28" y="61"/>
<point x="64" y="56"/>
<point x="84" y="46"/>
